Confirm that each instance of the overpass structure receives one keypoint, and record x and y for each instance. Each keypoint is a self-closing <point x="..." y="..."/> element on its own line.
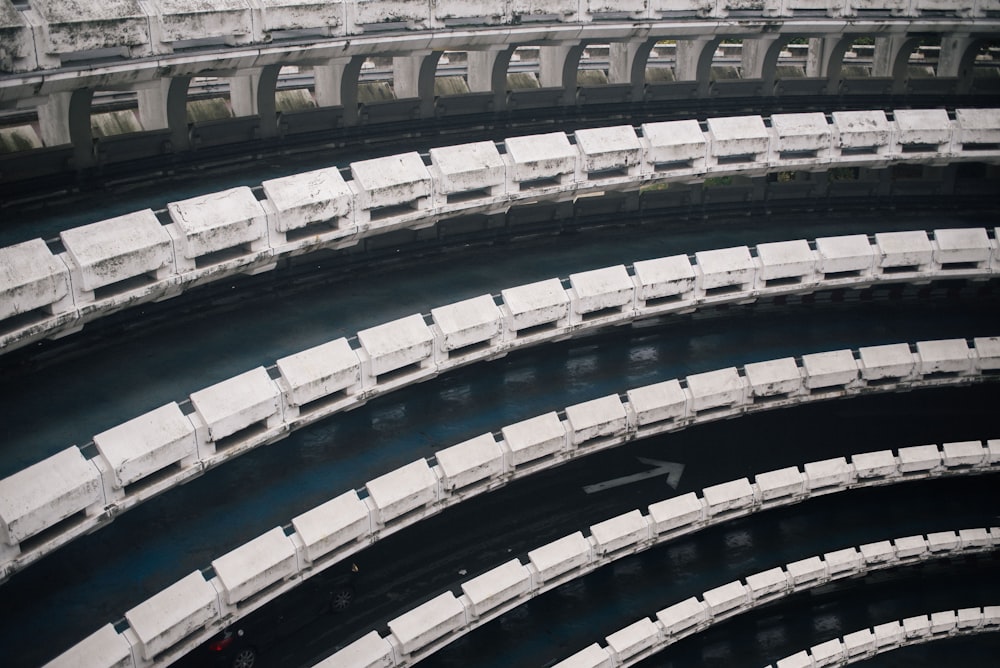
<point x="897" y="112"/>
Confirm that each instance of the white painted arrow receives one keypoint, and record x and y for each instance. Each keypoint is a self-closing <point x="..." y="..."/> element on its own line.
<point x="672" y="470"/>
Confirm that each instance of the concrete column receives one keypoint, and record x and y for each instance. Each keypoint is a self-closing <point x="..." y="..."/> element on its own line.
<point x="53" y="119"/>
<point x="754" y="55"/>
<point x="152" y="101"/>
<point x="164" y="105"/>
<point x="628" y="64"/>
<point x="243" y="93"/>
<point x="487" y="71"/>
<point x="252" y="94"/>
<point x="65" y="119"/>
<point x="413" y="76"/>
<point x="694" y="61"/>
<point x="558" y="66"/>
<point x="886" y="53"/>
<point x="953" y="48"/>
<point x="337" y="85"/>
<point x="825" y="59"/>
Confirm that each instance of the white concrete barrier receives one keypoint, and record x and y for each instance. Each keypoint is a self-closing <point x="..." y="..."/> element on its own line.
<point x="255" y="566"/>
<point x="467" y="330"/>
<point x="247" y="405"/>
<point x="595" y="420"/>
<point x="319" y="380"/>
<point x="175" y="613"/>
<point x="332" y="528"/>
<point x="397" y="493"/>
<point x="497" y="587"/>
<point x="125" y="261"/>
<point x="601" y="296"/>
<point x="535" y="310"/>
<point x="477" y="461"/>
<point x="403" y="348"/>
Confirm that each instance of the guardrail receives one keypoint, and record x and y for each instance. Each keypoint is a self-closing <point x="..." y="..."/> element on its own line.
<point x="51" y="290"/>
<point x="48" y="34"/>
<point x="917" y="630"/>
<point x="182" y="616"/>
<point x="647" y="636"/>
<point x="166" y="447"/>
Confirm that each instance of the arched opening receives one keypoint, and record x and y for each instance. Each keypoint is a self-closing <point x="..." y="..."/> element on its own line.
<point x="451" y="75"/>
<point x="727" y="60"/>
<point x="375" y="82"/>
<point x="208" y="100"/>
<point x="986" y="66"/>
<point x="523" y="69"/>
<point x="662" y="63"/>
<point x="295" y="90"/>
<point x="922" y="62"/>
<point x="593" y="67"/>
<point x="858" y="58"/>
<point x="113" y="113"/>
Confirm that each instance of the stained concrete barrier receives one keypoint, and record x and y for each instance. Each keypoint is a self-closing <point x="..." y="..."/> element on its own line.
<point x="32" y="278"/>
<point x="319" y="204"/>
<point x="321" y="379"/>
<point x="255" y="566"/>
<point x="249" y="401"/>
<point x="403" y="346"/>
<point x="205" y="228"/>
<point x="172" y="615"/>
<point x="387" y="185"/>
<point x="540" y="162"/>
<point x="601" y="295"/>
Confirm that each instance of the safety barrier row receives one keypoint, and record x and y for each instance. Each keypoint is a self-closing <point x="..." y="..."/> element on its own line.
<point x="262" y="569"/>
<point x="917" y="630"/>
<point x="174" y="443"/>
<point x="647" y="636"/>
<point x="50" y="33"/>
<point x="113" y="264"/>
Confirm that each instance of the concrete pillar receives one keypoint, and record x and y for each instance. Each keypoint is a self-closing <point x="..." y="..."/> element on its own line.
<point x="252" y="94"/>
<point x="950" y="60"/>
<point x="886" y="53"/>
<point x="163" y="104"/>
<point x="628" y="64"/>
<point x="336" y="85"/>
<point x="558" y="66"/>
<point x="65" y="119"/>
<point x="755" y="54"/>
<point x="413" y="76"/>
<point x="825" y="59"/>
<point x="694" y="61"/>
<point x="53" y="119"/>
<point x="487" y="71"/>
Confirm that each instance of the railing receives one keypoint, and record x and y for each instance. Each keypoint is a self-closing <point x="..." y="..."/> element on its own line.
<point x="54" y="289"/>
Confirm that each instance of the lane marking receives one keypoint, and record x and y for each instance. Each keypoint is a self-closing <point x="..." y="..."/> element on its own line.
<point x="672" y="470"/>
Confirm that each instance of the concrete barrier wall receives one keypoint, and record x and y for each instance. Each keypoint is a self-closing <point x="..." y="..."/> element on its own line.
<point x="650" y="635"/>
<point x="173" y="443"/>
<point x="117" y="263"/>
<point x="273" y="563"/>
<point x="46" y="33"/>
<point x="866" y="643"/>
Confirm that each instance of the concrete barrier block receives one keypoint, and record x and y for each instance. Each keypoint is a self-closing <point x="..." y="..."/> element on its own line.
<point x="318" y="373"/>
<point x="910" y="547"/>
<point x="847" y="257"/>
<point x="663" y="281"/>
<point x="987" y="352"/>
<point x="767" y="584"/>
<point x="467" y="171"/>
<point x="31" y="278"/>
<point x="947" y="356"/>
<point x="943" y="541"/>
<point x="369" y="651"/>
<point x="964" y="453"/>
<point x="743" y="138"/>
<point x="633" y="641"/>
<point x="534" y="305"/>
<point x="115" y="250"/>
<point x="17" y="35"/>
<point x="598" y="418"/>
<point x="859" y="643"/>
<point x="800" y="138"/>
<point x="495" y="587"/>
<point x="806" y="571"/>
<point x="468" y="324"/>
<point x="889" y="362"/>
<point x="901" y="252"/>
<point x="677" y="512"/>
<point x="399" y="180"/>
<point x="607" y="153"/>
<point x="835" y="472"/>
<point x="974" y="538"/>
<point x="592" y="656"/>
<point x="919" y="459"/>
<point x="426" y="623"/>
<point x="406" y="14"/>
<point x="105" y="648"/>
<point x="148" y="443"/>
<point x="674" y="147"/>
<point x="539" y="161"/>
<point x="298" y="14"/>
<point x="797" y="660"/>
<point x="558" y="557"/>
<point x="862" y="131"/>
<point x="943" y="622"/>
<point x="876" y="553"/>
<point x="726" y="598"/>
<point x="473" y="461"/>
<point x="785" y="263"/>
<point x="235" y="404"/>
<point x="727" y="497"/>
<point x="205" y="226"/>
<point x="916" y="627"/>
<point x="889" y="634"/>
<point x="774" y="377"/>
<point x="656" y="403"/>
<point x="619" y="533"/>
<point x="969" y="618"/>
<point x="535" y="439"/>
<point x="786" y="482"/>
<point x="991" y="615"/>
<point x="962" y="248"/>
<point x="993" y="447"/>
<point x="332" y="525"/>
<point x="601" y="294"/>
<point x="976" y="127"/>
<point x="829" y="369"/>
<point x="227" y="21"/>
<point x="255" y="566"/>
<point x="68" y="28"/>
<point x="688" y="614"/>
<point x="879" y="464"/>
<point x="716" y="389"/>
<point x="46" y="493"/>
<point x="318" y="203"/>
<point x="921" y="130"/>
<point x="407" y="488"/>
<point x="840" y="562"/>
<point x="173" y="614"/>
<point x="829" y="653"/>
<point x="393" y="346"/>
<point x="725" y="271"/>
